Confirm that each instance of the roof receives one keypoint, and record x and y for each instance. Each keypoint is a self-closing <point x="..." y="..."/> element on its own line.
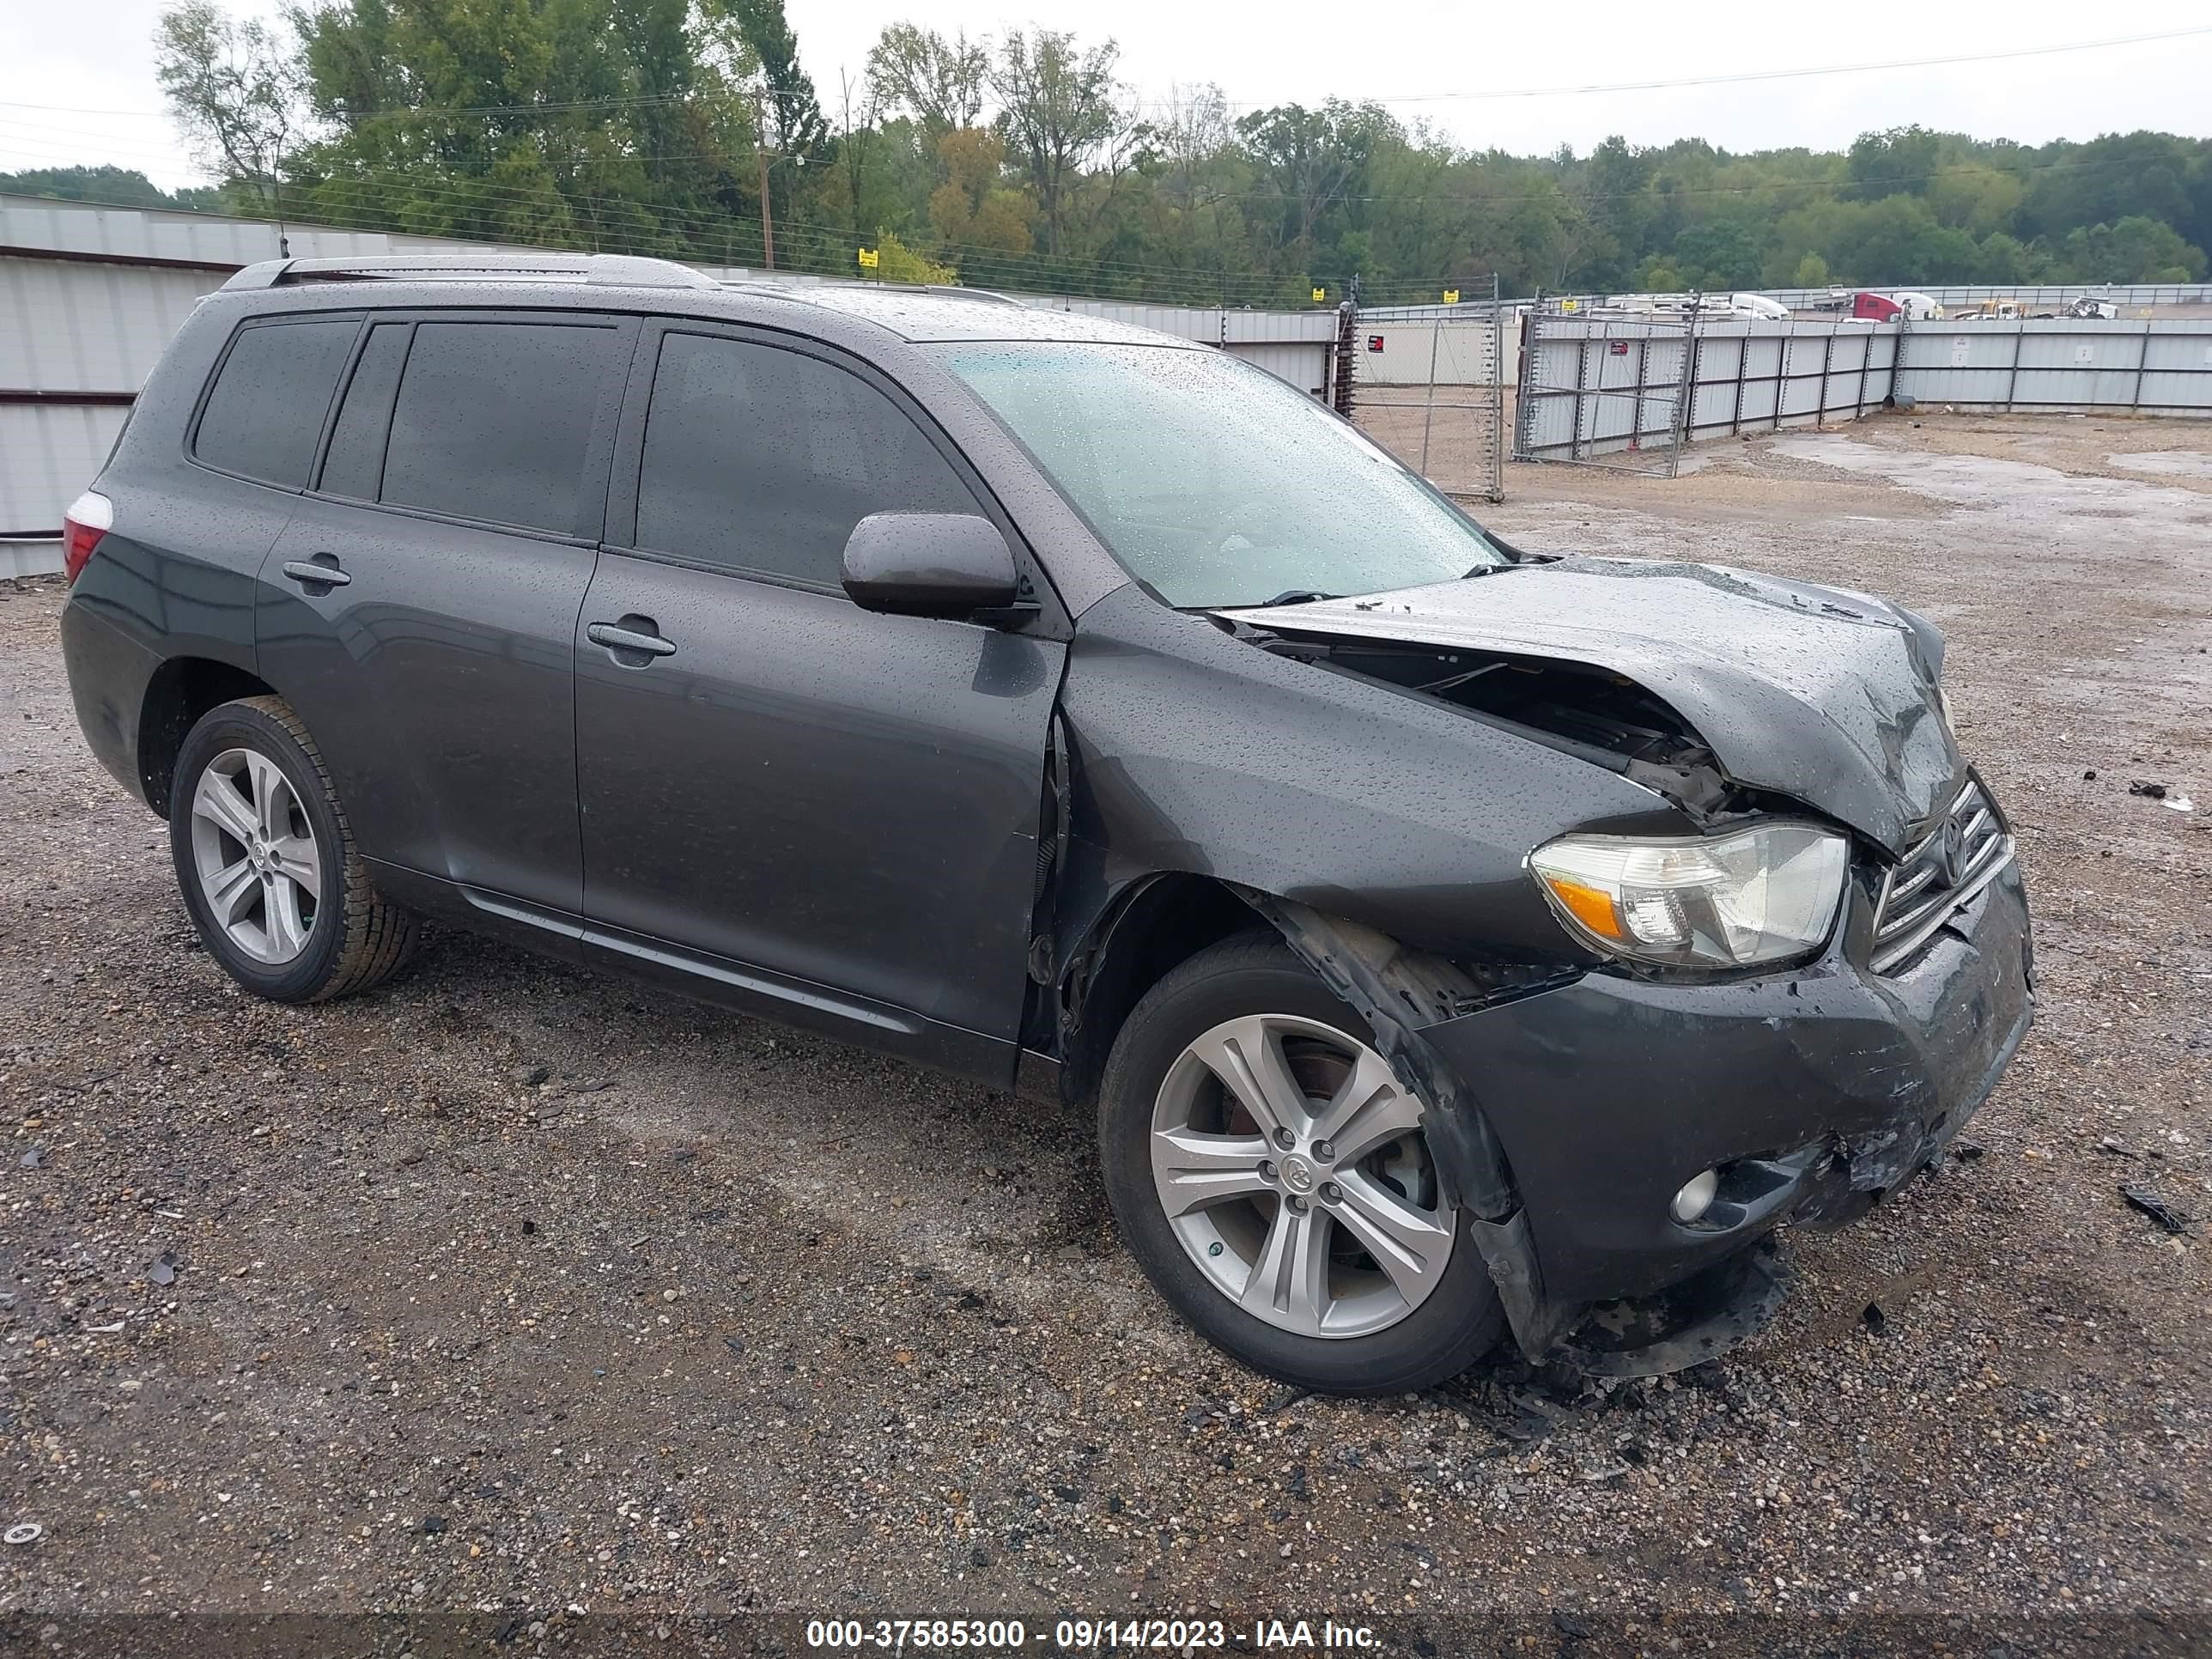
<point x="911" y="313"/>
<point x="923" y="314"/>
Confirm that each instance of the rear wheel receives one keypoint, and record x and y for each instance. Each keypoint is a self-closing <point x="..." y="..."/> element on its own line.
<point x="266" y="864"/>
<point x="1271" y="1176"/>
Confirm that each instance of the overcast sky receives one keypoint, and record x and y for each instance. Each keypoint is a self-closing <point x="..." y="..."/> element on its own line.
<point x="93" y="59"/>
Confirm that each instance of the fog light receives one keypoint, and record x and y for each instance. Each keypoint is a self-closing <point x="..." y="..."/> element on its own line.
<point x="1696" y="1197"/>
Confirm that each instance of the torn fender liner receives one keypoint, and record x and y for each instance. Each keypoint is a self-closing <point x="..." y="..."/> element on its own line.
<point x="1811" y="692"/>
<point x="1400" y="991"/>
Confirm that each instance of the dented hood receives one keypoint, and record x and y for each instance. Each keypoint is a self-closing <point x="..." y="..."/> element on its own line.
<point x="1812" y="692"/>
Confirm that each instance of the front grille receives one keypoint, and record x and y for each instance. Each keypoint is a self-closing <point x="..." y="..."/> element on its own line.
<point x="1926" y="887"/>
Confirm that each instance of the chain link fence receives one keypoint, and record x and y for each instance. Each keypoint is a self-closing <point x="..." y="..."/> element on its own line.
<point x="1428" y="383"/>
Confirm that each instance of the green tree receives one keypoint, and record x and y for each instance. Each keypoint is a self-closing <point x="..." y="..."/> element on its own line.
<point x="897" y="263"/>
<point x="2137" y="249"/>
<point x="649" y="125"/>
<point x="1059" y="107"/>
<point x="112" y="186"/>
<point x="1720" y="255"/>
<point x="938" y="80"/>
<point x="1900" y="162"/>
<point x="233" y="88"/>
<point x="796" y="126"/>
<point x="974" y="210"/>
<point x="1614" y="189"/>
<point x="1312" y="160"/>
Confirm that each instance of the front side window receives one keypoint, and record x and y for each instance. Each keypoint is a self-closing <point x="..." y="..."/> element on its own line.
<point x="265" y="410"/>
<point x="492" y="420"/>
<point x="763" y="459"/>
<point x="1215" y="484"/>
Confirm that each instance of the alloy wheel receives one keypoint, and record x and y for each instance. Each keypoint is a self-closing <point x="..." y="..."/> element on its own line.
<point x="253" y="849"/>
<point x="1292" y="1166"/>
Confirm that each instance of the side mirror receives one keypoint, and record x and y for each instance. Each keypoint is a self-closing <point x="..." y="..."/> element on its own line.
<point x="929" y="564"/>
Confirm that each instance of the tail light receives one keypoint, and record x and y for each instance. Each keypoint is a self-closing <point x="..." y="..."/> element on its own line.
<point x="90" y="516"/>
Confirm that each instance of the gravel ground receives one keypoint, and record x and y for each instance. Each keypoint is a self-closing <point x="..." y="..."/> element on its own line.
<point x="512" y="1288"/>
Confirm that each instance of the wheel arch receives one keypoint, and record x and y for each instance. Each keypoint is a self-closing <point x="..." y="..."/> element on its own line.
<point x="181" y="690"/>
<point x="1158" y="922"/>
<point x="1149" y="927"/>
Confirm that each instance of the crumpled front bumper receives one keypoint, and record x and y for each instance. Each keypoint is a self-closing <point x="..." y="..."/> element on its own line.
<point x="1814" y="1092"/>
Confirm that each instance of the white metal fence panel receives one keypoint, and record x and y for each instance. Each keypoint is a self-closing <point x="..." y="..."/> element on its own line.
<point x="202" y="238"/>
<point x="1304" y="365"/>
<point x="1461" y="345"/>
<point x="2041" y="296"/>
<point x="2153" y="368"/>
<point x="76" y="327"/>
<point x="1629" y="390"/>
<point x="1295" y="347"/>
<point x="48" y="453"/>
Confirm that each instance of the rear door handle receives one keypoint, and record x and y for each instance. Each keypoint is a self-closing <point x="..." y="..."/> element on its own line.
<point x="321" y="571"/>
<point x="631" y="637"/>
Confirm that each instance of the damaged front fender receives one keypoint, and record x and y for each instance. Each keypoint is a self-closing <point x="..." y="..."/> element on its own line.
<point x="1400" y="992"/>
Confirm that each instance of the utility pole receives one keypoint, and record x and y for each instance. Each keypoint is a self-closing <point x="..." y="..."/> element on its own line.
<point x="760" y="148"/>
<point x="277" y="183"/>
<point x="768" y="221"/>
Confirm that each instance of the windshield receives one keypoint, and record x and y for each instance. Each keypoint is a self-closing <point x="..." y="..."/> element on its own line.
<point x="1214" y="482"/>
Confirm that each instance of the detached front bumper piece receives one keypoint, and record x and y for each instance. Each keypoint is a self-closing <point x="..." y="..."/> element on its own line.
<point x="1810" y="1094"/>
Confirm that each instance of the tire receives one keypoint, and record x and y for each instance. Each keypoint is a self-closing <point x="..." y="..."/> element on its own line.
<point x="331" y="941"/>
<point x="1447" y="1320"/>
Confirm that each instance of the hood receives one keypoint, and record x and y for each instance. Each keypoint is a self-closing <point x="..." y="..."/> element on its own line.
<point x="1822" y="695"/>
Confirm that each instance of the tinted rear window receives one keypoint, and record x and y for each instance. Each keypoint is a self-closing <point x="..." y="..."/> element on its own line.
<point x="266" y="408"/>
<point x="493" y="419"/>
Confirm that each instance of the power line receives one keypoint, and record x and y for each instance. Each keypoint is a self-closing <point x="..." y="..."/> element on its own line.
<point x="1567" y="90"/>
<point x="1576" y="91"/>
<point x="826" y="248"/>
<point x="1474" y="197"/>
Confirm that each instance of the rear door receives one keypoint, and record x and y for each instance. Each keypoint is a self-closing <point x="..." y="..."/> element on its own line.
<point x="832" y="812"/>
<point x="420" y="611"/>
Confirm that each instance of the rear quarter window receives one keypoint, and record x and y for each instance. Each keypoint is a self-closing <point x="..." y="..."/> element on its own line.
<point x="265" y="412"/>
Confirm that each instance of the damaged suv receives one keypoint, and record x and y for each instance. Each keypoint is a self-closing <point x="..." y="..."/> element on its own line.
<point x="1454" y="941"/>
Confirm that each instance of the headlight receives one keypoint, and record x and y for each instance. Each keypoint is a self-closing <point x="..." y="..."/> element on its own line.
<point x="1758" y="895"/>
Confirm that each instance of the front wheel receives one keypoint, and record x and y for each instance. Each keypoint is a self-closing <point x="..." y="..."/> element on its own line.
<point x="266" y="863"/>
<point x="1270" y="1173"/>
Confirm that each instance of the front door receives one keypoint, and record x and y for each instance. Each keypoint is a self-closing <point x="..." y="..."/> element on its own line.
<point x="834" y="812"/>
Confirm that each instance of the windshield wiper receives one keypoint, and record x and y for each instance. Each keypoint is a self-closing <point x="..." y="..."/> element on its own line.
<point x="1298" y="596"/>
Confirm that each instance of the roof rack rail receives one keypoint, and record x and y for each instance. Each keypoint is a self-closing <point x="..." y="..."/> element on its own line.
<point x="598" y="269"/>
<point x="942" y="290"/>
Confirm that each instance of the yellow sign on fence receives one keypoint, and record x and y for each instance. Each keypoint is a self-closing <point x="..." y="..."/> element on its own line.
<point x="1320" y="293"/>
<point x="1451" y="296"/>
<point x="869" y="259"/>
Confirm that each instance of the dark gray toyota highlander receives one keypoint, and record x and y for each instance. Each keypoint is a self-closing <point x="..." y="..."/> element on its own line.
<point x="1453" y="939"/>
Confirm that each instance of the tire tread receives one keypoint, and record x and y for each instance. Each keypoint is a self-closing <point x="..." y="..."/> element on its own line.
<point x="379" y="936"/>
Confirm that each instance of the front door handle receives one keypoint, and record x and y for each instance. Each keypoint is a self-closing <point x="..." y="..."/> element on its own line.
<point x="320" y="572"/>
<point x="634" y="641"/>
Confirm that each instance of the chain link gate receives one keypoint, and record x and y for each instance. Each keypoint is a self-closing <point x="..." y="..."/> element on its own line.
<point x="1602" y="387"/>
<point x="1426" y="382"/>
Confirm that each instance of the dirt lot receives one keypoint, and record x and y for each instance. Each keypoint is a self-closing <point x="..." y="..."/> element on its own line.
<point x="513" y="1288"/>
